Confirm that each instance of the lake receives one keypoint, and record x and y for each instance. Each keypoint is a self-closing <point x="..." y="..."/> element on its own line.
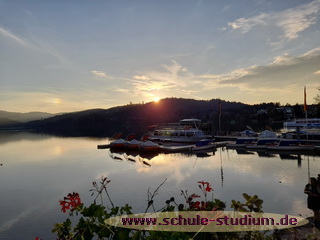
<point x="38" y="170"/>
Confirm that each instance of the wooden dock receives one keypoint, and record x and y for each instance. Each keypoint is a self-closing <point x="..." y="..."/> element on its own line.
<point x="104" y="146"/>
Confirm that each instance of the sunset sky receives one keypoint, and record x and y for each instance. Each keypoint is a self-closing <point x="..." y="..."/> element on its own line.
<point x="62" y="56"/>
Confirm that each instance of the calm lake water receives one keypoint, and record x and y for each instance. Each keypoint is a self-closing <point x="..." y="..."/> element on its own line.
<point x="39" y="170"/>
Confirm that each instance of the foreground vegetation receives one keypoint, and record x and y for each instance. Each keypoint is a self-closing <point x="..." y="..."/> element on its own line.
<point x="89" y="222"/>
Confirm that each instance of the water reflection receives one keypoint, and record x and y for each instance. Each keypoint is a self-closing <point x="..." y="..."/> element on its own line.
<point x="38" y="170"/>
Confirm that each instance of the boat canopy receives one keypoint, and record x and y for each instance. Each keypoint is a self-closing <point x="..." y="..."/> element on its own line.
<point x="268" y="134"/>
<point x="190" y="122"/>
<point x="247" y="133"/>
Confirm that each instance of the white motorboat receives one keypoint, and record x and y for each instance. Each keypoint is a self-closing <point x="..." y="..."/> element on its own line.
<point x="305" y="123"/>
<point x="187" y="131"/>
<point x="264" y="139"/>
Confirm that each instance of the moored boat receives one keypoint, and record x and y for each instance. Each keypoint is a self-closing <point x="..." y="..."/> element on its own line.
<point x="117" y="135"/>
<point x="203" y="145"/>
<point x="187" y="131"/>
<point x="305" y="123"/>
<point x="175" y="148"/>
<point x="291" y="145"/>
<point x="241" y="142"/>
<point x="263" y="143"/>
<point x="120" y="143"/>
<point x="131" y="136"/>
<point x="149" y="146"/>
<point x="133" y="145"/>
<point x="145" y="137"/>
<point x="264" y="139"/>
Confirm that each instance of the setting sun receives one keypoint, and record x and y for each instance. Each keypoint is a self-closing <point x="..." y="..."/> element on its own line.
<point x="156" y="99"/>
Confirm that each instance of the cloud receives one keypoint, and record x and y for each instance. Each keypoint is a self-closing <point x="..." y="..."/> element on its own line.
<point x="122" y="90"/>
<point x="283" y="76"/>
<point x="55" y="101"/>
<point x="175" y="68"/>
<point x="284" y="72"/>
<point x="245" y="24"/>
<point x="173" y="77"/>
<point x="291" y="21"/>
<point x="298" y="19"/>
<point x="12" y="37"/>
<point x="100" y="74"/>
<point x="39" y="48"/>
<point x="143" y="77"/>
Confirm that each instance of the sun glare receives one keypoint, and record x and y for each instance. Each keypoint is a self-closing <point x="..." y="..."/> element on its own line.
<point x="156" y="99"/>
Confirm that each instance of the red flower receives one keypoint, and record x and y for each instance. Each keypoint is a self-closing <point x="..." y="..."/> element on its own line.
<point x="203" y="205"/>
<point x="196" y="205"/>
<point x="72" y="201"/>
<point x="208" y="188"/>
<point x="199" y="205"/>
<point x="202" y="182"/>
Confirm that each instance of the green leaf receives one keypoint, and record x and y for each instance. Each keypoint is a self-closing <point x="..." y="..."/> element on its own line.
<point x="114" y="211"/>
<point x="259" y="203"/>
<point x="246" y="196"/>
<point x="126" y="209"/>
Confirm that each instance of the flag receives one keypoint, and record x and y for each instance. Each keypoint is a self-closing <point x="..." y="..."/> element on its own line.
<point x="305" y="108"/>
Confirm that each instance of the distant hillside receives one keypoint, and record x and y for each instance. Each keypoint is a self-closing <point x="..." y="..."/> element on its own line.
<point x="14" y="118"/>
<point x="134" y="117"/>
<point x="216" y="115"/>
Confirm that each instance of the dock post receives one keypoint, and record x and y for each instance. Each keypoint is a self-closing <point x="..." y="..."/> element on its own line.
<point x="298" y="132"/>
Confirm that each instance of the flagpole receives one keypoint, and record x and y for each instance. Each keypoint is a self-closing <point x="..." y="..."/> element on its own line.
<point x="305" y="108"/>
<point x="219" y="117"/>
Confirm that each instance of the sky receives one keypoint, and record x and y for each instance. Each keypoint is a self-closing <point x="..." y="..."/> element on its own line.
<point x="72" y="55"/>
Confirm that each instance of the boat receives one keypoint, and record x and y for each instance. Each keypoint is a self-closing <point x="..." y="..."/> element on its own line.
<point x="133" y="145"/>
<point x="149" y="146"/>
<point x="248" y="133"/>
<point x="187" y="131"/>
<point x="117" y="135"/>
<point x="145" y="137"/>
<point x="241" y="142"/>
<point x="291" y="145"/>
<point x="131" y="136"/>
<point x="263" y="143"/>
<point x="264" y="139"/>
<point x="203" y="145"/>
<point x="176" y="148"/>
<point x="309" y="136"/>
<point x="305" y="123"/>
<point x="120" y="143"/>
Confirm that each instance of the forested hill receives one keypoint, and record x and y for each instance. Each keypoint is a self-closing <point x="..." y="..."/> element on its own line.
<point x="234" y="116"/>
<point x="15" y="118"/>
<point x="137" y="117"/>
